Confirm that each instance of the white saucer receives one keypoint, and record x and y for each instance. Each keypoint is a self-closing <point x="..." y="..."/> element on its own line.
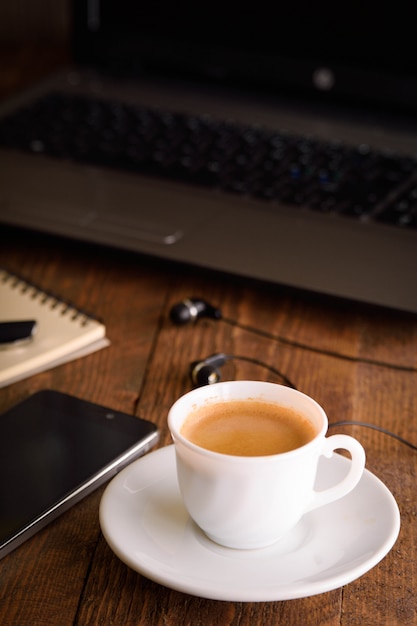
<point x="144" y="522"/>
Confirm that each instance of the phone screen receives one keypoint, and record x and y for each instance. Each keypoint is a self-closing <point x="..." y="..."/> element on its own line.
<point x="54" y="450"/>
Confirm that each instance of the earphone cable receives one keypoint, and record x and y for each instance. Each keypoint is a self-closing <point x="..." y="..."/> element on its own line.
<point x="255" y="361"/>
<point x="330" y="353"/>
<point x="374" y="427"/>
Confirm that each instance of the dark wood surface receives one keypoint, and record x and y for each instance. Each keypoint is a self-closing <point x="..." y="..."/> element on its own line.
<point x="67" y="574"/>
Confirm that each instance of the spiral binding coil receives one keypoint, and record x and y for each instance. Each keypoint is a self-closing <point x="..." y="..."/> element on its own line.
<point x="64" y="306"/>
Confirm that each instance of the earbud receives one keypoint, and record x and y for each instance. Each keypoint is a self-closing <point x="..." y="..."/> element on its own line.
<point x="191" y="310"/>
<point x="207" y="372"/>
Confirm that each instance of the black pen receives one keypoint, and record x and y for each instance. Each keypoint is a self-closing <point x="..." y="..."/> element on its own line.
<point x="12" y="333"/>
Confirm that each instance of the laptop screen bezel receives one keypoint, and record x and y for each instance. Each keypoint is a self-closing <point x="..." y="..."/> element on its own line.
<point x="316" y="66"/>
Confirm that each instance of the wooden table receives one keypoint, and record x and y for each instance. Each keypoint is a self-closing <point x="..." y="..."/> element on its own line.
<point x="67" y="574"/>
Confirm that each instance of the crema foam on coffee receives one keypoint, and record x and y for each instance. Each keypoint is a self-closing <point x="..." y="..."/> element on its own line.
<point x="248" y="428"/>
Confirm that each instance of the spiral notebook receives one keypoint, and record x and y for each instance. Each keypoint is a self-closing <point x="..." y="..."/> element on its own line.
<point x="62" y="333"/>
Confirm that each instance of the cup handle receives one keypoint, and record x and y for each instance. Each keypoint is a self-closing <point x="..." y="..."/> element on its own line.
<point x="354" y="475"/>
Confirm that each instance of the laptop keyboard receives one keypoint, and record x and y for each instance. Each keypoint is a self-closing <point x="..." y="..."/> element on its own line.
<point x="328" y="177"/>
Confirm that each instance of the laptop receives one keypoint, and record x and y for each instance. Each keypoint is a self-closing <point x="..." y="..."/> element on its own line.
<point x="267" y="140"/>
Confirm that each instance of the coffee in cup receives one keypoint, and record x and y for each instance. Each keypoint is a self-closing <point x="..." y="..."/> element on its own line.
<point x="247" y="428"/>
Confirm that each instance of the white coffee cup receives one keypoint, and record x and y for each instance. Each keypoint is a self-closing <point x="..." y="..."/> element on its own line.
<point x="248" y="502"/>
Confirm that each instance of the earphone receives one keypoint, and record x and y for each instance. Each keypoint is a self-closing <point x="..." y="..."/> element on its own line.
<point x="193" y="309"/>
<point x="207" y="371"/>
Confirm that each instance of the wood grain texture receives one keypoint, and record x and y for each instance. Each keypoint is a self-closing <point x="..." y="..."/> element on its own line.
<point x="67" y="574"/>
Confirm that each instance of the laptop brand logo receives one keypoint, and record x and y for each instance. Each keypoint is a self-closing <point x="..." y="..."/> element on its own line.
<point x="323" y="78"/>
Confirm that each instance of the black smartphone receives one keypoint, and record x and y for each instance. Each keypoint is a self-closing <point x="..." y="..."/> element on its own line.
<point x="54" y="450"/>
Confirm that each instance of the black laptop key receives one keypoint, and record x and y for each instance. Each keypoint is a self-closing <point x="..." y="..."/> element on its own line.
<point x="270" y="165"/>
